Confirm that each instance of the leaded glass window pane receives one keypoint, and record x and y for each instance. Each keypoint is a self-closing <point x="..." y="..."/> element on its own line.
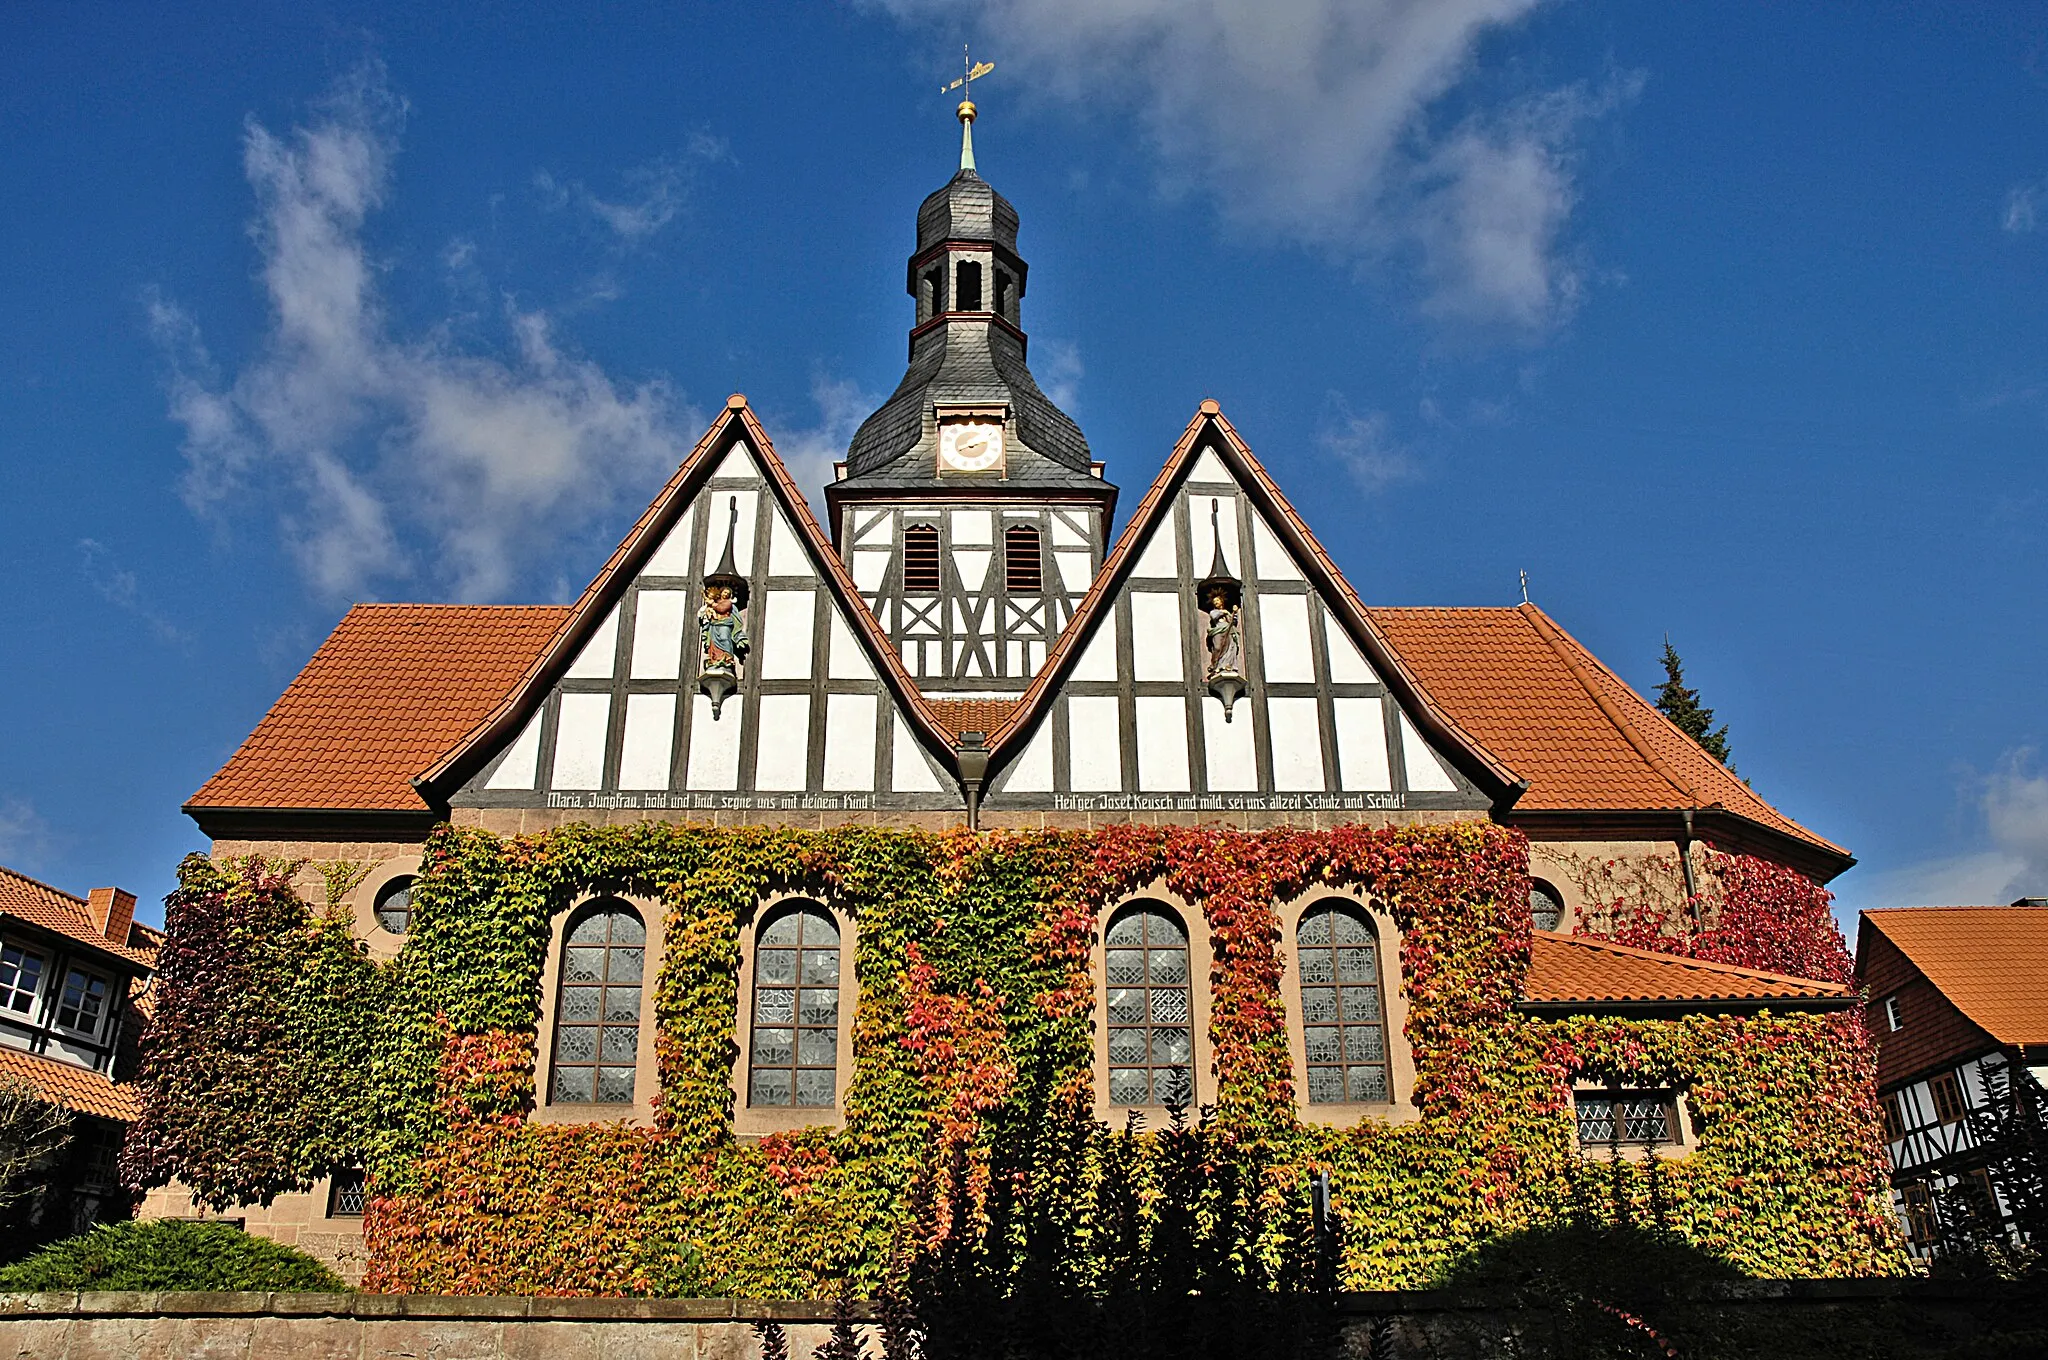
<point x="393" y="907"/>
<point x="795" y="1051"/>
<point x="1643" y="1118"/>
<point x="1148" y="1008"/>
<point x="597" y="1012"/>
<point x="1344" y="1037"/>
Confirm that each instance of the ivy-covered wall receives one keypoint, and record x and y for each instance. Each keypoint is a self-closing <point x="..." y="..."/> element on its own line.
<point x="278" y="1052"/>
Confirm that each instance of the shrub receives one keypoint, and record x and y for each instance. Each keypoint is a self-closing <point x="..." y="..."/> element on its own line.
<point x="163" y="1254"/>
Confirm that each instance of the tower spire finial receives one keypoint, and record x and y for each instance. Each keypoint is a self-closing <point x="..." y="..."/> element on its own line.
<point x="971" y="71"/>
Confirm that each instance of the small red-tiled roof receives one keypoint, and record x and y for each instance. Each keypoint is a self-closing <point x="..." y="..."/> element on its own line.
<point x="971" y="715"/>
<point x="39" y="904"/>
<point x="1990" y="962"/>
<point x="393" y="688"/>
<point x="1567" y="971"/>
<point x="1581" y="736"/>
<point x="74" y="1088"/>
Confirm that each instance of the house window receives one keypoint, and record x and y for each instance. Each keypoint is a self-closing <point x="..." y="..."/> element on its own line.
<point x="1344" y="1030"/>
<point x="796" y="1009"/>
<point x="1949" y="1106"/>
<point x="394" y="905"/>
<point x="921" y="560"/>
<point x="1893" y="1109"/>
<point x="1023" y="564"/>
<point x="1546" y="907"/>
<point x="1921" y="1225"/>
<point x="21" y="977"/>
<point x="1635" y="1118"/>
<point x="345" y="1195"/>
<point x="1151" y="1042"/>
<point x="83" y="1005"/>
<point x="1891" y="1014"/>
<point x="597" y="1023"/>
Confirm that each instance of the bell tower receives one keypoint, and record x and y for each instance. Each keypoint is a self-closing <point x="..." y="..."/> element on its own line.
<point x="968" y="509"/>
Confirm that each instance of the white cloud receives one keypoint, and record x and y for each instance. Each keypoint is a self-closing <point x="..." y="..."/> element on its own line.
<point x="1315" y="120"/>
<point x="810" y="451"/>
<point x="2023" y="207"/>
<point x="120" y="587"/>
<point x="24" y="836"/>
<point x="654" y="192"/>
<point x="384" y="456"/>
<point x="2013" y="801"/>
<point x="1362" y="446"/>
<point x="1059" y="372"/>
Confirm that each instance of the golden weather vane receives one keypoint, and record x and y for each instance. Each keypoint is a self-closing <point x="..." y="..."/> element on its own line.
<point x="972" y="71"/>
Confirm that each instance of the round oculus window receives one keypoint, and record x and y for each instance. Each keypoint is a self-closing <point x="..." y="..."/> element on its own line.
<point x="1546" y="908"/>
<point x="394" y="905"/>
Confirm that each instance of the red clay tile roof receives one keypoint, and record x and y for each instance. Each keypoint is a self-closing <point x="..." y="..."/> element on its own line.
<point x="1569" y="969"/>
<point x="391" y="691"/>
<point x="971" y="715"/>
<point x="40" y="904"/>
<point x="1581" y="736"/>
<point x="75" y="1088"/>
<point x="1990" y="962"/>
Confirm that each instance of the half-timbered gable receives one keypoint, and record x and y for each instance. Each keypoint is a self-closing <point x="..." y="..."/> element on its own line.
<point x="634" y="705"/>
<point x="1222" y="666"/>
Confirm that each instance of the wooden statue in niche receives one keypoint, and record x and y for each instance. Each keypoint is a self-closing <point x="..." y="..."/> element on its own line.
<point x="722" y="624"/>
<point x="1220" y="594"/>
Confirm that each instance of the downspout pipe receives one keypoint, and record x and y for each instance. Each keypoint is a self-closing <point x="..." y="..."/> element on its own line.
<point x="1692" y="887"/>
<point x="972" y="756"/>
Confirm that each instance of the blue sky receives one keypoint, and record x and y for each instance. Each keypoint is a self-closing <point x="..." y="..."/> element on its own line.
<point x="1722" y="320"/>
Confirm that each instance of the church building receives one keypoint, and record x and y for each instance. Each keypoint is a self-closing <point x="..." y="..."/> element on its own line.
<point x="968" y="646"/>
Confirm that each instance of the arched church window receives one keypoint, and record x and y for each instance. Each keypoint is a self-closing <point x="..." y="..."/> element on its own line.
<point x="1023" y="564"/>
<point x="597" y="1018"/>
<point x="795" y="1041"/>
<point x="921" y="559"/>
<point x="1344" y="1028"/>
<point x="1546" y="906"/>
<point x="1151" y="1039"/>
<point x="393" y="909"/>
<point x="967" y="287"/>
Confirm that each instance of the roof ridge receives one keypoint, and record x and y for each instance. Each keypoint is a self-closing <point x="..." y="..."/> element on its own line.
<point x="1568" y="650"/>
<point x="46" y="887"/>
<point x="1953" y="906"/>
<point x="1683" y="960"/>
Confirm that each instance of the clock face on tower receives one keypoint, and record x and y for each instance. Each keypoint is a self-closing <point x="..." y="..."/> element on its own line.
<point x="970" y="446"/>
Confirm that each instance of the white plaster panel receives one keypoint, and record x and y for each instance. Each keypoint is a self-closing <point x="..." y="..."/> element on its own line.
<point x="871" y="526"/>
<point x="909" y="771"/>
<point x="715" y="528"/>
<point x="869" y="567"/>
<point x="1161" y="555"/>
<point x="1076" y="571"/>
<point x="600" y="654"/>
<point x="973" y="528"/>
<point x="1098" y="659"/>
<point x="1361" y="745"/>
<point x="1271" y="561"/>
<point x="850" y="741"/>
<point x="647" y="746"/>
<point x="1162" y="722"/>
<point x="1297" y="745"/>
<point x="715" y="744"/>
<point x="786" y="555"/>
<point x="1348" y="665"/>
<point x="658" y="635"/>
<point x="1031" y="772"/>
<point x="1426" y="773"/>
<point x="782" y="755"/>
<point x="787" y="624"/>
<point x="737" y="464"/>
<point x="1095" y="761"/>
<point x="521" y="764"/>
<point x="1283" y="635"/>
<point x="1155" y="636"/>
<point x="672" y="558"/>
<point x="1065" y="535"/>
<point x="972" y="565"/>
<point x="1209" y="468"/>
<point x="1227" y="746"/>
<point x="846" y="661"/>
<point x="580" y="728"/>
<point x="1202" y="539"/>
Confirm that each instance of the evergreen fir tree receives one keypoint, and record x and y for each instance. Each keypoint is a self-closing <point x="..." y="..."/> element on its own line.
<point x="1682" y="705"/>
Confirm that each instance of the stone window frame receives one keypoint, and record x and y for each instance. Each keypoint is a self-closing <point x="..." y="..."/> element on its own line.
<point x="363" y="903"/>
<point x="1201" y="959"/>
<point x="755" y="1121"/>
<point x="646" y="1074"/>
<point x="1400" y="1108"/>
<point x="1684" y="1121"/>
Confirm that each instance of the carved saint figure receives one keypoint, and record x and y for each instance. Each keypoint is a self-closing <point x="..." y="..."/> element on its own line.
<point x="722" y="631"/>
<point x="1224" y="639"/>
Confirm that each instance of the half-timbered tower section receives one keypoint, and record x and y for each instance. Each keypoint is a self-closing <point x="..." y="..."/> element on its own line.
<point x="968" y="507"/>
